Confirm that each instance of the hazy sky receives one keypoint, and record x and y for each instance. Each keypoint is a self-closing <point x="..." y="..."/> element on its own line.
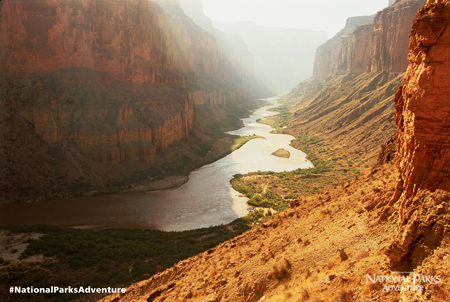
<point x="327" y="15"/>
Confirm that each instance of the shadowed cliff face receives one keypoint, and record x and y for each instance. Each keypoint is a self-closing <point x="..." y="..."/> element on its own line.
<point x="422" y="110"/>
<point x="131" y="40"/>
<point x="115" y="80"/>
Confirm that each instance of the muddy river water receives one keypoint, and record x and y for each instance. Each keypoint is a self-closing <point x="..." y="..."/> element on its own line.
<point x="207" y="199"/>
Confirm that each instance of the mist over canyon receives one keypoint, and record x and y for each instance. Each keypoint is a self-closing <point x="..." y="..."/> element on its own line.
<point x="125" y="96"/>
<point x="88" y="86"/>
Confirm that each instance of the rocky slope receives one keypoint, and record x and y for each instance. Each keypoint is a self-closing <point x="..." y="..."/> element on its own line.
<point x="348" y="101"/>
<point x="104" y="87"/>
<point x="343" y="244"/>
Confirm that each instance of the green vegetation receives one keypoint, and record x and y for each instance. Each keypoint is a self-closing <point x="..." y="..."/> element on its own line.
<point x="330" y="169"/>
<point x="239" y="141"/>
<point x="266" y="200"/>
<point x="277" y="121"/>
<point x="343" y="255"/>
<point x="140" y="177"/>
<point x="110" y="257"/>
<point x="204" y="149"/>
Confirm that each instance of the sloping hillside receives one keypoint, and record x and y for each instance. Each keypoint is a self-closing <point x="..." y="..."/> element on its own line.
<point x="369" y="239"/>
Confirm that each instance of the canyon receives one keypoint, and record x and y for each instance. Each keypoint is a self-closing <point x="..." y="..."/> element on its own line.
<point x="379" y="84"/>
<point x="348" y="100"/>
<point x="392" y="221"/>
<point x="95" y="92"/>
<point x="281" y="57"/>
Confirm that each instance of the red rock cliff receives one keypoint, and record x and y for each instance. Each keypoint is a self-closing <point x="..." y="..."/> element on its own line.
<point x="390" y="36"/>
<point x="350" y="95"/>
<point x="422" y="112"/>
<point x="131" y="40"/>
<point x="115" y="80"/>
<point x="365" y="45"/>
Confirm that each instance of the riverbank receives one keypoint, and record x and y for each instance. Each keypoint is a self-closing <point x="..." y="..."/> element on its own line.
<point x="44" y="256"/>
<point x="173" y="182"/>
<point x="167" y="183"/>
<point x="70" y="256"/>
<point x="333" y="165"/>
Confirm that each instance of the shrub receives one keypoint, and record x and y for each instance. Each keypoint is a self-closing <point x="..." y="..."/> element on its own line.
<point x="343" y="255"/>
<point x="282" y="273"/>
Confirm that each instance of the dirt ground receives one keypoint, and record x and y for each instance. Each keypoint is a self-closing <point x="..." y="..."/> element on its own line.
<point x="321" y="249"/>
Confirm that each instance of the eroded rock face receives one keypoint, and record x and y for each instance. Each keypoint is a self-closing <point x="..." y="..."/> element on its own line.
<point x="423" y="228"/>
<point x="360" y="44"/>
<point x="360" y="69"/>
<point x="127" y="41"/>
<point x="365" y="45"/>
<point x="117" y="81"/>
<point x="390" y="43"/>
<point x="333" y="55"/>
<point x="131" y="40"/>
<point x="422" y="111"/>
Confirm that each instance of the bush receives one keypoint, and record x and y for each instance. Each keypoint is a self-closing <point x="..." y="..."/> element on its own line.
<point x="106" y="255"/>
<point x="282" y="273"/>
<point x="343" y="255"/>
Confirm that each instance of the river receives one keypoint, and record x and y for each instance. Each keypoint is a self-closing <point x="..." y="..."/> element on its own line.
<point x="207" y="199"/>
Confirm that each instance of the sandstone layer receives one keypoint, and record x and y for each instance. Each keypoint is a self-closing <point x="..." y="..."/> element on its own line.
<point x="134" y="41"/>
<point x="117" y="81"/>
<point x="390" y="41"/>
<point x="332" y="55"/>
<point x="365" y="44"/>
<point x="422" y="110"/>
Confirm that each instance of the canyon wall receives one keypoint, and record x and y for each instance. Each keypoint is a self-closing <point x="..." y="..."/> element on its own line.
<point x="422" y="107"/>
<point x="118" y="81"/>
<point x="133" y="41"/>
<point x="390" y="43"/>
<point x="350" y="96"/>
<point x="369" y="43"/>
<point x="332" y="55"/>
<point x="233" y="45"/>
<point x="417" y="246"/>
